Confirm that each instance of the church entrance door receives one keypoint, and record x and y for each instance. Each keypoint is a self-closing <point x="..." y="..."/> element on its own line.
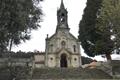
<point x="63" y="60"/>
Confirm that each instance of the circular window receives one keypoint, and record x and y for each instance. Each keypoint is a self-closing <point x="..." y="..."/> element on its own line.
<point x="75" y="59"/>
<point x="51" y="58"/>
<point x="63" y="43"/>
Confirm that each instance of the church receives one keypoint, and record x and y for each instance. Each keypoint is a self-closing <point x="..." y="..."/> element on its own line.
<point x="62" y="48"/>
<point x="61" y="59"/>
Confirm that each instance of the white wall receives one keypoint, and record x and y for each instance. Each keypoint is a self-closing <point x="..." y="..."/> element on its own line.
<point x="51" y="60"/>
<point x="75" y="61"/>
<point x="39" y="58"/>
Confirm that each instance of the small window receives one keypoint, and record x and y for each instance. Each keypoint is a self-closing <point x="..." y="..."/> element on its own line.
<point x="75" y="59"/>
<point x="74" y="48"/>
<point x="51" y="47"/>
<point x="62" y="14"/>
<point x="51" y="58"/>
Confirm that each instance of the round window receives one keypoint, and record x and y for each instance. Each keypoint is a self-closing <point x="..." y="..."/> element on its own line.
<point x="51" y="58"/>
<point x="63" y="43"/>
<point x="75" y="59"/>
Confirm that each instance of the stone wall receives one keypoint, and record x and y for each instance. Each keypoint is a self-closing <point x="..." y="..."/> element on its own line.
<point x="39" y="61"/>
<point x="16" y="61"/>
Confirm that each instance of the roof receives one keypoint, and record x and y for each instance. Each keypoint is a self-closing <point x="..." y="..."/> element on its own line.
<point x="55" y="34"/>
<point x="73" y="36"/>
<point x="51" y="36"/>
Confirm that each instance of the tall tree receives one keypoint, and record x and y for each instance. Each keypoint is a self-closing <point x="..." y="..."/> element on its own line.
<point x="106" y="29"/>
<point x="87" y="30"/>
<point x="108" y="23"/>
<point x="17" y="19"/>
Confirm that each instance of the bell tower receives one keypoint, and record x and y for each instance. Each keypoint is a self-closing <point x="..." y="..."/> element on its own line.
<point x="62" y="22"/>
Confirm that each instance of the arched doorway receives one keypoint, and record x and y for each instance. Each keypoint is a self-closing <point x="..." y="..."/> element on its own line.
<point x="63" y="60"/>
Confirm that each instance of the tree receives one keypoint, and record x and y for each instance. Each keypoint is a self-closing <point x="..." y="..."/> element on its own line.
<point x="17" y="19"/>
<point x="87" y="30"/>
<point x="106" y="27"/>
<point x="108" y="24"/>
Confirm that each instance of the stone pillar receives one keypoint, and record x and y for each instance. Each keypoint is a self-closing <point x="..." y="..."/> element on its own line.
<point x="58" y="43"/>
<point x="69" y="61"/>
<point x="79" y="51"/>
<point x="46" y="52"/>
<point x="57" y="61"/>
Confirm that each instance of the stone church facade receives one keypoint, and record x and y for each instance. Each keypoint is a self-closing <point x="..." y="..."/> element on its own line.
<point x="62" y="48"/>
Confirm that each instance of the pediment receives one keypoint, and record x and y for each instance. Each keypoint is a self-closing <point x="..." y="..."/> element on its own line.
<point x="65" y="51"/>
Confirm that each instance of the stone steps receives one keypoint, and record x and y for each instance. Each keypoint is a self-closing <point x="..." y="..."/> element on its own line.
<point x="5" y="75"/>
<point x="69" y="73"/>
<point x="56" y="73"/>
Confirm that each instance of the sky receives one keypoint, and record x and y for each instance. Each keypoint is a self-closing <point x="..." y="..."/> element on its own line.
<point x="48" y="26"/>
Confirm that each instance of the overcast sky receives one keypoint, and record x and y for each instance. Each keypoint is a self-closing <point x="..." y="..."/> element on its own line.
<point x="48" y="26"/>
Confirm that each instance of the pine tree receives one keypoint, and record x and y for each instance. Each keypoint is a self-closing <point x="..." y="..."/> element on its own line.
<point x="87" y="30"/>
<point x="108" y="24"/>
<point x="106" y="28"/>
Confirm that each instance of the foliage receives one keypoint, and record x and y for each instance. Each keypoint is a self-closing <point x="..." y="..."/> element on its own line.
<point x="86" y="60"/>
<point x="87" y="30"/>
<point x="17" y="19"/>
<point x="105" y="27"/>
<point x="109" y="20"/>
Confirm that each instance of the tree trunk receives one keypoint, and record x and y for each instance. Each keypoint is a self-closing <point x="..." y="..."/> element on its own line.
<point x="10" y="46"/>
<point x="108" y="56"/>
